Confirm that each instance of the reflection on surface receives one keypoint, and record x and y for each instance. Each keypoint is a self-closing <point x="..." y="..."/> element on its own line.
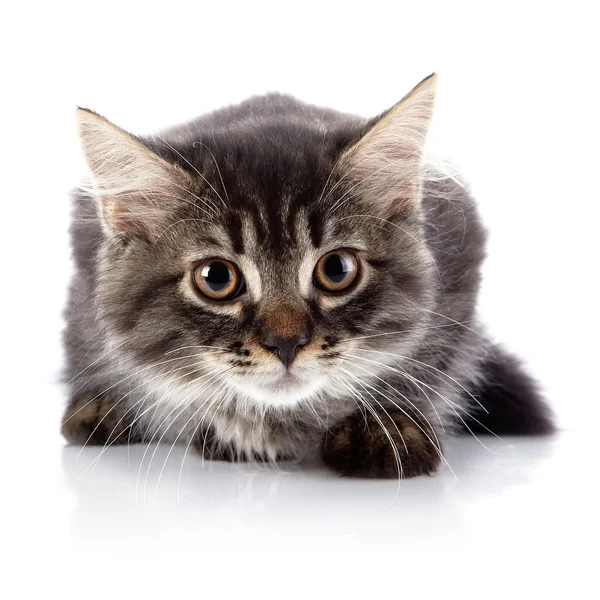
<point x="141" y="492"/>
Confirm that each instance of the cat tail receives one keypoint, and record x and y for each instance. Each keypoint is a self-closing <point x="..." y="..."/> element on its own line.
<point x="508" y="399"/>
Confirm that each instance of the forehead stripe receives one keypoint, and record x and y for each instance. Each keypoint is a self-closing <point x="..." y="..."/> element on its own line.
<point x="234" y="230"/>
<point x="315" y="227"/>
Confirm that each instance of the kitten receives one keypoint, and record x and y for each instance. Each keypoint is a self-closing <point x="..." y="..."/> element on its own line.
<point x="274" y="280"/>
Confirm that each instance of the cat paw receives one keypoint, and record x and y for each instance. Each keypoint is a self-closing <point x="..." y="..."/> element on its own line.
<point x="358" y="446"/>
<point x="88" y="421"/>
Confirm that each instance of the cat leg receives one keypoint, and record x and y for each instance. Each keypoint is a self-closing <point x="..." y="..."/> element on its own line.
<point x="256" y="449"/>
<point x="212" y="450"/>
<point x="99" y="420"/>
<point x="390" y="445"/>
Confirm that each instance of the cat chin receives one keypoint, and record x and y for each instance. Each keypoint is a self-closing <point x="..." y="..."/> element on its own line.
<point x="281" y="392"/>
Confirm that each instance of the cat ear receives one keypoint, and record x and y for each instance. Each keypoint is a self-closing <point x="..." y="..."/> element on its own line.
<point x="135" y="188"/>
<point x="385" y="163"/>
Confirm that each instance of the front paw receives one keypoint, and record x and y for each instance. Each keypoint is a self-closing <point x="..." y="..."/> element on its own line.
<point x="90" y="421"/>
<point x="359" y="446"/>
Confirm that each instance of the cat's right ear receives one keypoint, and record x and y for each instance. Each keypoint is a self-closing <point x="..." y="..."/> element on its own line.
<point x="135" y="187"/>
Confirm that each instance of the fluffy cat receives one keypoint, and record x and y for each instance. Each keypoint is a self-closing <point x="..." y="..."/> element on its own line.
<point x="274" y="280"/>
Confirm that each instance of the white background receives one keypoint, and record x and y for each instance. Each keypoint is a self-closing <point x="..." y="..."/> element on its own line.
<point x="518" y="113"/>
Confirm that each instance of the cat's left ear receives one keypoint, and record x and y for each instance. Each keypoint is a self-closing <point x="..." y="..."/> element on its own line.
<point x="385" y="164"/>
<point x="136" y="189"/>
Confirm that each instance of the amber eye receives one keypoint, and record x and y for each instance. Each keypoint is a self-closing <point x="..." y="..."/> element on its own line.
<point x="218" y="279"/>
<point x="336" y="271"/>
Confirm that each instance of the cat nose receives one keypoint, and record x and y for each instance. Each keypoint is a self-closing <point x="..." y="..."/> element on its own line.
<point x="284" y="347"/>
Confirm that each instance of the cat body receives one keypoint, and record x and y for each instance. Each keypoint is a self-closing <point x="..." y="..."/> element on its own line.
<point x="276" y="280"/>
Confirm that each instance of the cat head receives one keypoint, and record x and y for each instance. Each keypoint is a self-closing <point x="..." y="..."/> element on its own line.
<point x="266" y="247"/>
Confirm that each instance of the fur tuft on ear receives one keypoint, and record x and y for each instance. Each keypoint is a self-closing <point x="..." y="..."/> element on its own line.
<point x="385" y="163"/>
<point x="135" y="187"/>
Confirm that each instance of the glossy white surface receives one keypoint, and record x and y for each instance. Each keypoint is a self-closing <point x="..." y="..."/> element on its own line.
<point x="518" y="517"/>
<point x="517" y="111"/>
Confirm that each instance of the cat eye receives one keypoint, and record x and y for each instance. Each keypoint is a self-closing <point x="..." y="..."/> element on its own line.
<point x="336" y="271"/>
<point x="218" y="279"/>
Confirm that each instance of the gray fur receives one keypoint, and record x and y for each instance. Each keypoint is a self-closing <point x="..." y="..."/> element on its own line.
<point x="127" y="310"/>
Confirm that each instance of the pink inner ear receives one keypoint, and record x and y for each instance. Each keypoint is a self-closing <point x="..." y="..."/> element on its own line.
<point x="386" y="168"/>
<point x="116" y="215"/>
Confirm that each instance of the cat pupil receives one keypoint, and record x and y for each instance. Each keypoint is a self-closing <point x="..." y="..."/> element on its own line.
<point x="217" y="276"/>
<point x="335" y="268"/>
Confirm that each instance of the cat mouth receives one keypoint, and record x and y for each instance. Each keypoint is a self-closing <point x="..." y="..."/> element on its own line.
<point x="285" y="389"/>
<point x="286" y="383"/>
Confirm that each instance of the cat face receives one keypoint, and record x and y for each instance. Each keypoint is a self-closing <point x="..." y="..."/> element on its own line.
<point x="268" y="259"/>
